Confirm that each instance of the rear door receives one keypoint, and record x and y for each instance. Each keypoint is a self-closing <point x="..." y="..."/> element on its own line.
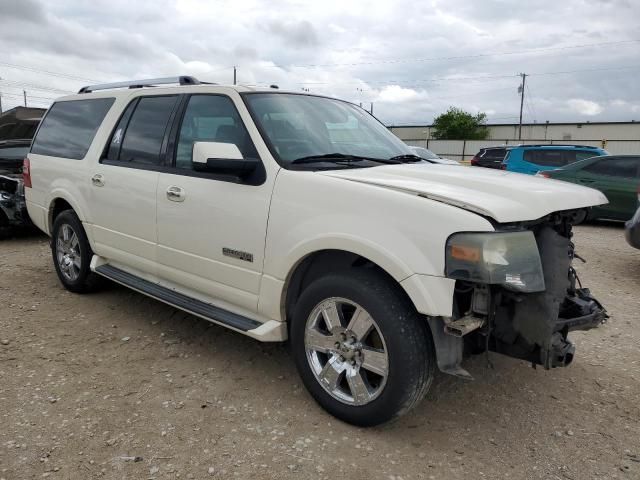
<point x="617" y="178"/>
<point x="124" y="183"/>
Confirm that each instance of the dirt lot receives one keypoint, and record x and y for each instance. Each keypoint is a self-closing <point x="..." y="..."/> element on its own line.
<point x="86" y="381"/>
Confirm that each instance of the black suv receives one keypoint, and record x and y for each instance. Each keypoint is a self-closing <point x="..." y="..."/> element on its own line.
<point x="490" y="157"/>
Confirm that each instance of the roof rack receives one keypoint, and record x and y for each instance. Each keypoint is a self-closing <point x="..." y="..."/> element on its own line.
<point x="557" y="145"/>
<point x="182" y="80"/>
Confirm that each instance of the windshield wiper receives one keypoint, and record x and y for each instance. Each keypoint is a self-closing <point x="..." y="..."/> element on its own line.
<point x="406" y="158"/>
<point x="341" y="158"/>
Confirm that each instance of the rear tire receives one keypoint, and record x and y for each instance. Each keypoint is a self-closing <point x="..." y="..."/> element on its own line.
<point x="72" y="253"/>
<point x="363" y="352"/>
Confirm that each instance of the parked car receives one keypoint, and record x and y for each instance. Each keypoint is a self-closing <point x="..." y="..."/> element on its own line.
<point x="17" y="127"/>
<point x="532" y="159"/>
<point x="490" y="157"/>
<point x="288" y="216"/>
<point x="431" y="157"/>
<point x="617" y="176"/>
<point x="13" y="210"/>
<point x="632" y="228"/>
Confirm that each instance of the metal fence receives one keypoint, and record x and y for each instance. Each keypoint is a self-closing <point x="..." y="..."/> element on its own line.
<point x="464" y="150"/>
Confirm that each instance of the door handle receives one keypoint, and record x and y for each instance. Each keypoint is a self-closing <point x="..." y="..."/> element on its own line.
<point x="175" y="194"/>
<point x="98" y="180"/>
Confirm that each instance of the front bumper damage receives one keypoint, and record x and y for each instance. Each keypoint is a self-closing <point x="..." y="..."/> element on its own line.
<point x="13" y="207"/>
<point x="530" y="326"/>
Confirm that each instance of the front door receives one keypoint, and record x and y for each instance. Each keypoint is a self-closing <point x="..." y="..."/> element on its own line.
<point x="212" y="228"/>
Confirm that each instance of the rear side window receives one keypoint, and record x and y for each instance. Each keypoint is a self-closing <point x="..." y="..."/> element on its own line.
<point x="627" y="167"/>
<point x="550" y="158"/>
<point x="494" y="154"/>
<point x="143" y="136"/>
<point x="69" y="127"/>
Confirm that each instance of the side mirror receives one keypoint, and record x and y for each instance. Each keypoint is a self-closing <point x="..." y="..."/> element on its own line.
<point x="223" y="158"/>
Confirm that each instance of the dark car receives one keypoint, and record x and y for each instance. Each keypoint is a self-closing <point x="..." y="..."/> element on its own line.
<point x="632" y="228"/>
<point x="490" y="157"/>
<point x="617" y="176"/>
<point x="17" y="127"/>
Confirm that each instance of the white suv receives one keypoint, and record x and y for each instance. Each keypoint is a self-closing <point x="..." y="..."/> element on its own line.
<point x="293" y="216"/>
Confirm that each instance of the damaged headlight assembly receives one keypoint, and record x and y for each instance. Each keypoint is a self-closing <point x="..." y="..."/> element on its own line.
<point x="510" y="259"/>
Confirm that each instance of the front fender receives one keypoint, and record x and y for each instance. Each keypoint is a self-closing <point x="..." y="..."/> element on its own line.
<point x="402" y="233"/>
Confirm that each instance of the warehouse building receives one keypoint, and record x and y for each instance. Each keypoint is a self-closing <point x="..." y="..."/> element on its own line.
<point x="616" y="137"/>
<point x="596" y="131"/>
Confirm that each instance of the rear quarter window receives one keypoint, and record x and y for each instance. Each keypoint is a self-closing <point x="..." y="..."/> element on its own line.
<point x="68" y="128"/>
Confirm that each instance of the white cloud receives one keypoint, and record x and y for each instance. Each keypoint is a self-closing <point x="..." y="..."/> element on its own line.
<point x="396" y="94"/>
<point x="584" y="107"/>
<point x="412" y="59"/>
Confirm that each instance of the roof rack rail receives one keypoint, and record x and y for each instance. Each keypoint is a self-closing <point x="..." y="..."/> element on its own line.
<point x="182" y="80"/>
<point x="557" y="145"/>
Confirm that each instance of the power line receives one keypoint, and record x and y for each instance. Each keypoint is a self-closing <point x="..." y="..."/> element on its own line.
<point x="48" y="72"/>
<point x="458" y="57"/>
<point x="34" y="86"/>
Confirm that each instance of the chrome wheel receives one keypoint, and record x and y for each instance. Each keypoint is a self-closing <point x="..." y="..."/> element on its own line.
<point x="346" y="351"/>
<point x="68" y="253"/>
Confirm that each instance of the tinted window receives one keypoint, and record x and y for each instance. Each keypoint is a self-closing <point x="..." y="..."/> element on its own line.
<point x="69" y="127"/>
<point x="549" y="157"/>
<point x="116" y="139"/>
<point x="211" y="118"/>
<point x="494" y="154"/>
<point x="628" y="167"/>
<point x="143" y="136"/>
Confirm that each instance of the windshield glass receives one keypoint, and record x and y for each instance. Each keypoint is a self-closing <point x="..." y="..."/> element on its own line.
<point x="301" y="126"/>
<point x="13" y="153"/>
<point x="424" y="153"/>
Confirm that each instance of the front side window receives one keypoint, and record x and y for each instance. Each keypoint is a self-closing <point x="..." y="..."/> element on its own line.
<point x="142" y="138"/>
<point x="625" y="167"/>
<point x="211" y="118"/>
<point x="302" y="126"/>
<point x="68" y="128"/>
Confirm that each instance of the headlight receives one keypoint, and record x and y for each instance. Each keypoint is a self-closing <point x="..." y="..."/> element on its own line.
<point x="510" y="259"/>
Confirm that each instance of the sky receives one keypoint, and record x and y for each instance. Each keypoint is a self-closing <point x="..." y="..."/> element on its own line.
<point x="412" y="60"/>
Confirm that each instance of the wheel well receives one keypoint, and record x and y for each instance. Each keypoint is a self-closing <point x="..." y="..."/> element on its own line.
<point x="58" y="206"/>
<point x="319" y="263"/>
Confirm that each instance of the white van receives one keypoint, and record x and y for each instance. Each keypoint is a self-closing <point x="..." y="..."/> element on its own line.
<point x="293" y="216"/>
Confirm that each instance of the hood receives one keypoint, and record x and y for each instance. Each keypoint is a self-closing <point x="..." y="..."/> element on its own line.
<point x="501" y="195"/>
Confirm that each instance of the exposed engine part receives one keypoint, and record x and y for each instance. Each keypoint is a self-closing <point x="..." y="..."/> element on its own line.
<point x="13" y="208"/>
<point x="464" y="325"/>
<point x="531" y="326"/>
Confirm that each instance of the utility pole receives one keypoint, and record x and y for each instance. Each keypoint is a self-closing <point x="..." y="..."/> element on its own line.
<point x="371" y="110"/>
<point x="0" y="103"/>
<point x="24" y="93"/>
<point x="234" y="75"/>
<point x="524" y="76"/>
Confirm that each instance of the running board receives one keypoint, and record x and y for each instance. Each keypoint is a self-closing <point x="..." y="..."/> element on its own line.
<point x="178" y="300"/>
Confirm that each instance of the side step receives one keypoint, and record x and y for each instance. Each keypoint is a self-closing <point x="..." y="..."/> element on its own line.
<point x="183" y="302"/>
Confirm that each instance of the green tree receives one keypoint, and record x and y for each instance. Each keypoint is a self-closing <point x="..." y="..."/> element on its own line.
<point x="456" y="124"/>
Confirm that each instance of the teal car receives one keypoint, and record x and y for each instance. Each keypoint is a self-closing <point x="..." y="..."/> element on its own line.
<point x="617" y="176"/>
<point x="531" y="159"/>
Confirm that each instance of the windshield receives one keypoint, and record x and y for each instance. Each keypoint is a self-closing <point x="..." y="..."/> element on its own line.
<point x="424" y="153"/>
<point x="13" y="153"/>
<point x="304" y="127"/>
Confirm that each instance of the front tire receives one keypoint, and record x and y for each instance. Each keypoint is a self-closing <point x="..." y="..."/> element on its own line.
<point x="72" y="253"/>
<point x="362" y="351"/>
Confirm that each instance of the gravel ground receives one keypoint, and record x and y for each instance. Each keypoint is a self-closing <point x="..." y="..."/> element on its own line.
<point x="116" y="385"/>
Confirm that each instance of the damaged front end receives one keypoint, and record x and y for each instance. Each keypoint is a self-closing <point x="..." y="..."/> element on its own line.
<point x="13" y="208"/>
<point x="517" y="292"/>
